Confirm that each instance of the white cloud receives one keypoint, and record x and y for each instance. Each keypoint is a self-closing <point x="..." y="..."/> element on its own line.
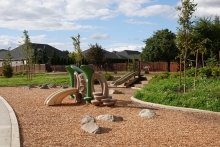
<point x="132" y="21"/>
<point x="205" y="8"/>
<point x="124" y="46"/>
<point x="98" y="36"/>
<point x="9" y="41"/>
<point x="64" y="14"/>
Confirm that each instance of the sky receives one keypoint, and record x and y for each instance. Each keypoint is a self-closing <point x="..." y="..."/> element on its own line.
<point x="115" y="25"/>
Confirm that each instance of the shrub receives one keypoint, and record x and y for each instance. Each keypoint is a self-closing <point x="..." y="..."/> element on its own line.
<point x="174" y="75"/>
<point x="107" y="76"/>
<point x="190" y="72"/>
<point x="164" y="75"/>
<point x="205" y="72"/>
<point x="215" y="71"/>
<point x="7" y="70"/>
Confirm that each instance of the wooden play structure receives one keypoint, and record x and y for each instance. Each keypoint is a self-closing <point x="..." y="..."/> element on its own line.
<point x="82" y="88"/>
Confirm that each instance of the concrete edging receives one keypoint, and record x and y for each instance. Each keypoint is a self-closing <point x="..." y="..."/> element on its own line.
<point x="173" y="107"/>
<point x="15" y="137"/>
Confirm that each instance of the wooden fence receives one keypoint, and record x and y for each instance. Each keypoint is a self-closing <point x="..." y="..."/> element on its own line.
<point x="153" y="66"/>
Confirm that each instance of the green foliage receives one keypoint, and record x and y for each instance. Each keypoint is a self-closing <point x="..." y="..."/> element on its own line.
<point x="78" y="51"/>
<point x="206" y="96"/>
<point x="211" y="62"/>
<point x="216" y="71"/>
<point x="133" y="67"/>
<point x="95" y="54"/>
<point x="160" y="47"/>
<point x="107" y="76"/>
<point x="205" y="72"/>
<point x="7" y="70"/>
<point x="164" y="75"/>
<point x="190" y="72"/>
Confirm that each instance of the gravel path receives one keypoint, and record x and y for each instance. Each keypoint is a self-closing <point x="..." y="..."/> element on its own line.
<point x="42" y="125"/>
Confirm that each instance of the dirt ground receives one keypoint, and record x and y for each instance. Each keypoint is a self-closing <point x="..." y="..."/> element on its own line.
<point x="42" y="125"/>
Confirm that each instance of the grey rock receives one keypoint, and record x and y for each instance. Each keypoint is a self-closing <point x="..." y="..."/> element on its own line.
<point x="113" y="91"/>
<point x="147" y="113"/>
<point x="44" y="86"/>
<point x="89" y="125"/>
<point x="64" y="86"/>
<point x="109" y="118"/>
<point x="52" y="86"/>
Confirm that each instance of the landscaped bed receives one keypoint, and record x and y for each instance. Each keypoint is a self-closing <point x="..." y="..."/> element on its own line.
<point x="42" y="125"/>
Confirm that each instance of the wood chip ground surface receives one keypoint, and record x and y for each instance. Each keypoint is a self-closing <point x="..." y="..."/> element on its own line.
<point x="42" y="125"/>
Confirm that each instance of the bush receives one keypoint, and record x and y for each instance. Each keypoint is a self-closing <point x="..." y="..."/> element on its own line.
<point x="164" y="75"/>
<point x="7" y="70"/>
<point x="216" y="71"/>
<point x="205" y="72"/>
<point x="107" y="76"/>
<point x="190" y="72"/>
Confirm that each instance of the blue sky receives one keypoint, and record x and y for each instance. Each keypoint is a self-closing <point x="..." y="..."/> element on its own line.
<point x="114" y="24"/>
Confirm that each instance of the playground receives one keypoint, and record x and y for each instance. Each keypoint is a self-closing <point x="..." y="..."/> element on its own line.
<point x="42" y="125"/>
<point x="51" y="117"/>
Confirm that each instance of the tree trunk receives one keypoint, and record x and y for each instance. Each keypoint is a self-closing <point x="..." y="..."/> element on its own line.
<point x="180" y="76"/>
<point x="195" y="76"/>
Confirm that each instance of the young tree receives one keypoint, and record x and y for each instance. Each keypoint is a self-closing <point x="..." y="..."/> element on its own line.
<point x="161" y="46"/>
<point x="28" y="54"/>
<point x="184" y="30"/>
<point x="76" y="44"/>
<point x="7" y="70"/>
<point x="95" y="54"/>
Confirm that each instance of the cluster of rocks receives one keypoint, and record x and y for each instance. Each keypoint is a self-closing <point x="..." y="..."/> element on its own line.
<point x="89" y="124"/>
<point x="45" y="86"/>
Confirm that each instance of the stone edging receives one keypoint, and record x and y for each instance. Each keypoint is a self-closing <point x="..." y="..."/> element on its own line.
<point x="15" y="137"/>
<point x="173" y="107"/>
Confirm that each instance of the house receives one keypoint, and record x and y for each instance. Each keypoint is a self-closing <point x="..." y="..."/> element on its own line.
<point x="18" y="53"/>
<point x="120" y="55"/>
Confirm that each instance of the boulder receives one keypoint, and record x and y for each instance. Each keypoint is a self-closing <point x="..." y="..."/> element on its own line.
<point x="88" y="124"/>
<point x="109" y="118"/>
<point x="52" y="86"/>
<point x="44" y="86"/>
<point x="147" y="113"/>
<point x="113" y="91"/>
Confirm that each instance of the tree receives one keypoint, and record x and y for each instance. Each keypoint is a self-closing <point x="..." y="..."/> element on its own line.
<point x="28" y="54"/>
<point x="76" y="44"/>
<point x="95" y="54"/>
<point x="206" y="28"/>
<point x="161" y="46"/>
<point x="184" y="30"/>
<point x="53" y="58"/>
<point x="7" y="70"/>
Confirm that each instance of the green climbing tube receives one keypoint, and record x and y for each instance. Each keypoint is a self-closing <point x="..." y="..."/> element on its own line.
<point x="88" y="71"/>
<point x="71" y="69"/>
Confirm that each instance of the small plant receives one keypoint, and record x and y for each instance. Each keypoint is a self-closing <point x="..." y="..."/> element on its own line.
<point x="190" y="72"/>
<point x="205" y="72"/>
<point x="164" y="75"/>
<point x="7" y="70"/>
<point x="107" y="76"/>
<point x="216" y="71"/>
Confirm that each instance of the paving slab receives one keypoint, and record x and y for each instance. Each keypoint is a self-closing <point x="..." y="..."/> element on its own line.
<point x="9" y="130"/>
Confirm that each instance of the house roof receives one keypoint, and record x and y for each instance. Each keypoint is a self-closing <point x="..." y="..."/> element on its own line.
<point x="18" y="53"/>
<point x="128" y="53"/>
<point x="121" y="55"/>
<point x="107" y="54"/>
<point x="3" y="53"/>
